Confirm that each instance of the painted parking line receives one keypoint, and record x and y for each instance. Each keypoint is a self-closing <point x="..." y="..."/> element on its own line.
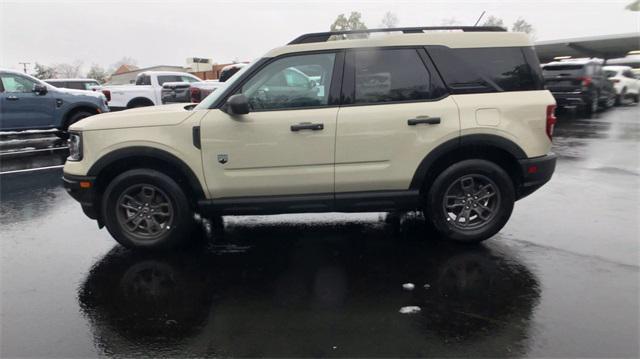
<point x="31" y="169"/>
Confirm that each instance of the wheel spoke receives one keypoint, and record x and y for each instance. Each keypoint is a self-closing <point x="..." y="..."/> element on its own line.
<point x="467" y="184"/>
<point x="132" y="200"/>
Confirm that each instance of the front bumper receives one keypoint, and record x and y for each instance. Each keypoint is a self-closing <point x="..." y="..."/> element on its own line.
<point x="535" y="172"/>
<point x="81" y="188"/>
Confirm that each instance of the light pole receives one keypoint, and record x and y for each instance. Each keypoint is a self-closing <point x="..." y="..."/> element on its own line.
<point x="24" y="65"/>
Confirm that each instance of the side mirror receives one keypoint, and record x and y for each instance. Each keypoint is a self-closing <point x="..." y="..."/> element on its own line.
<point x="40" y="89"/>
<point x="237" y="104"/>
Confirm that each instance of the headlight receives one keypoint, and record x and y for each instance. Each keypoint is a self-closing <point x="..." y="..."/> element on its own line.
<point x="75" y="146"/>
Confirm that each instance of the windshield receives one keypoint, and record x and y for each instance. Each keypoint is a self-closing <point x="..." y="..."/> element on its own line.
<point x="213" y="97"/>
<point x="610" y="73"/>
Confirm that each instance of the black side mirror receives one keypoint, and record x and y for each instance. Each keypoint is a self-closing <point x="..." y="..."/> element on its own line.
<point x="40" y="89"/>
<point x="237" y="105"/>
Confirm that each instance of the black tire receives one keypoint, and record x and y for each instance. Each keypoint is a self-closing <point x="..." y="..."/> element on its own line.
<point x="175" y="231"/>
<point x="591" y="107"/>
<point x="636" y="98"/>
<point x="502" y="201"/>
<point x="621" y="96"/>
<point x="73" y="119"/>
<point x="611" y="101"/>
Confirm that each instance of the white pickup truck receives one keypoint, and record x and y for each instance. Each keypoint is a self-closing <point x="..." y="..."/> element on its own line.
<point x="146" y="91"/>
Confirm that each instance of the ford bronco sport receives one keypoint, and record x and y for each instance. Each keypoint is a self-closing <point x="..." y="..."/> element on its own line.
<point x="454" y="123"/>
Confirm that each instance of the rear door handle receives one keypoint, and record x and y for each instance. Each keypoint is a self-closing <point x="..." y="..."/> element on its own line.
<point x="425" y="120"/>
<point x="307" y="126"/>
<point x="12" y="98"/>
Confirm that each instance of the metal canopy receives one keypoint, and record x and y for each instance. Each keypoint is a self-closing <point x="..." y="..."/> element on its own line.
<point x="605" y="47"/>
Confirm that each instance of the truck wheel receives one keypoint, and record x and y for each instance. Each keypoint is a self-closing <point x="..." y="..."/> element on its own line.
<point x="470" y="201"/>
<point x="73" y="119"/>
<point x="591" y="106"/>
<point x="621" y="96"/>
<point x="147" y="209"/>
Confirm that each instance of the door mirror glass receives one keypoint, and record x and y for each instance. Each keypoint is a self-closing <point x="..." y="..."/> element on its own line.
<point x="237" y="105"/>
<point x="40" y="89"/>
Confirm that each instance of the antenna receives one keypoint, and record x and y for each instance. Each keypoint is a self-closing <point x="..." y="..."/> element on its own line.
<point x="481" y="15"/>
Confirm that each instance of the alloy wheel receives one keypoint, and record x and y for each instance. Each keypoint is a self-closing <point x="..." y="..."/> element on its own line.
<point x="144" y="211"/>
<point x="471" y="202"/>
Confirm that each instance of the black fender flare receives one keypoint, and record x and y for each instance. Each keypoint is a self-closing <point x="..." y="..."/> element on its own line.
<point x="446" y="148"/>
<point x="142" y="151"/>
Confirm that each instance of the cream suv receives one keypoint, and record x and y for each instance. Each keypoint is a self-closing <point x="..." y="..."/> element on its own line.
<point x="454" y="123"/>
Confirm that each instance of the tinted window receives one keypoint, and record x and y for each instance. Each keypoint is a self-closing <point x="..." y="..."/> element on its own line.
<point x="75" y="85"/>
<point x="390" y="75"/>
<point x="284" y="83"/>
<point x="168" y="78"/>
<point x="563" y="70"/>
<point x="143" y="80"/>
<point x="56" y="83"/>
<point x="490" y="69"/>
<point x="628" y="74"/>
<point x="15" y="83"/>
<point x="610" y="73"/>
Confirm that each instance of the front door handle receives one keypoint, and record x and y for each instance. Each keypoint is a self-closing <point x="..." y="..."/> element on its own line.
<point x="12" y="98"/>
<point x="307" y="126"/>
<point x="425" y="120"/>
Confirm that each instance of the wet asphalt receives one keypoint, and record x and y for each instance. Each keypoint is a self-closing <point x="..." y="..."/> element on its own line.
<point x="560" y="280"/>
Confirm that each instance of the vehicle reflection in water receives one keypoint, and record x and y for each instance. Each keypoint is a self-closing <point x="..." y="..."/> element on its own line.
<point x="287" y="289"/>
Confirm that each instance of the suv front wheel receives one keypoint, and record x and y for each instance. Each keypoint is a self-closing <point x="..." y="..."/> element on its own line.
<point x="470" y="201"/>
<point x="144" y="208"/>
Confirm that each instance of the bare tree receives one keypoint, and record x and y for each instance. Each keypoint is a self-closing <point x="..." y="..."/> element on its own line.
<point x="65" y="70"/>
<point x="389" y="20"/>
<point x="452" y="21"/>
<point x="44" y="72"/>
<point x="353" y="22"/>
<point x="98" y="73"/>
<point x="493" y="21"/>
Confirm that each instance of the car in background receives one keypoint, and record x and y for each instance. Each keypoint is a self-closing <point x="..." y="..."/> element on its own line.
<point x="76" y="84"/>
<point x="624" y="82"/>
<point x="27" y="103"/>
<point x="632" y="60"/>
<point x="229" y="71"/>
<point x="147" y="90"/>
<point x="175" y="92"/>
<point x="579" y="83"/>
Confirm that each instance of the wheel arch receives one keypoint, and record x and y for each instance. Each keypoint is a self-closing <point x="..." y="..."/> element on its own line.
<point x="75" y="109"/>
<point x="494" y="148"/>
<point x="118" y="161"/>
<point x="142" y="100"/>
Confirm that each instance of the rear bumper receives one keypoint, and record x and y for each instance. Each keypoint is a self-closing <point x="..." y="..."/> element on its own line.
<point x="535" y="172"/>
<point x="571" y="98"/>
<point x="83" y="193"/>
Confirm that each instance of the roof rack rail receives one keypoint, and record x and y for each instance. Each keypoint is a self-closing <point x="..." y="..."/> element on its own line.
<point x="324" y="36"/>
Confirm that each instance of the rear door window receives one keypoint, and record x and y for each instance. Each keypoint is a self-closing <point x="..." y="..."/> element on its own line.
<point x="563" y="70"/>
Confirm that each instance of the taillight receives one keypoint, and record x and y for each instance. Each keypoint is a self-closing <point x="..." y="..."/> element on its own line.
<point x="195" y="94"/>
<point x="107" y="94"/>
<point x="586" y="81"/>
<point x="551" y="120"/>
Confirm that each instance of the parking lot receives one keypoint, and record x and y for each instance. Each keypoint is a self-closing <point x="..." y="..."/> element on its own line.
<point x="560" y="280"/>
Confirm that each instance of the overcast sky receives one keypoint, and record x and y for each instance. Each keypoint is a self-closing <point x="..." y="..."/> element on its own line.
<point x="167" y="32"/>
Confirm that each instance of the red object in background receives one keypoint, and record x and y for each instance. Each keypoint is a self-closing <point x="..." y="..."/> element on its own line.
<point x="551" y="120"/>
<point x="195" y="94"/>
<point x="107" y="94"/>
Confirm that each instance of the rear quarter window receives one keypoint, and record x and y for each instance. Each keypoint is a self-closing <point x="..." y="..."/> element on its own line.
<point x="491" y="69"/>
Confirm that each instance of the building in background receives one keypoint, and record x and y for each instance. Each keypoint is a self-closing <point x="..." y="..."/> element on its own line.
<point x="126" y="74"/>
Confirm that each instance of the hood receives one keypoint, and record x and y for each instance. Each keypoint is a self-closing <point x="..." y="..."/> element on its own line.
<point x="166" y="115"/>
<point x="73" y="92"/>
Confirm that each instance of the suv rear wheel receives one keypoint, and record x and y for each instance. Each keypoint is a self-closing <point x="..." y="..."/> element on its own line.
<point x="144" y="208"/>
<point x="470" y="201"/>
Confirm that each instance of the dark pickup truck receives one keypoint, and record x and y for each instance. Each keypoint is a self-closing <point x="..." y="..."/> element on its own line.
<point x="579" y="83"/>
